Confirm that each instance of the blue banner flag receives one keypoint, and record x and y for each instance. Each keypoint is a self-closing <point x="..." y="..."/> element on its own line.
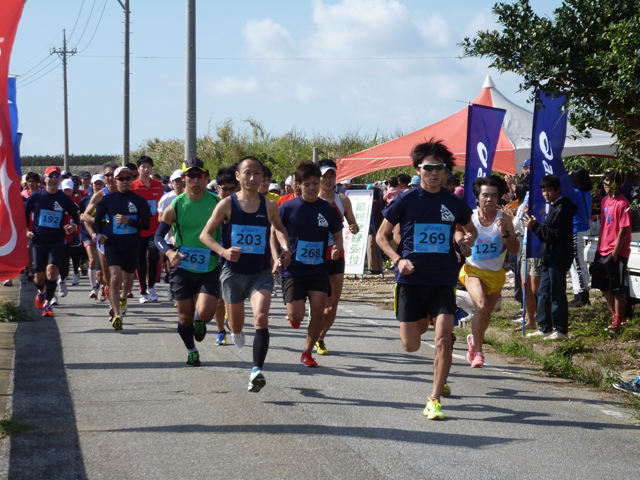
<point x="547" y="142"/>
<point x="483" y="130"/>
<point x="13" y="114"/>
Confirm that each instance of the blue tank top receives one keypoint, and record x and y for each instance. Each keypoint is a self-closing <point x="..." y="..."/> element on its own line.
<point x="251" y="232"/>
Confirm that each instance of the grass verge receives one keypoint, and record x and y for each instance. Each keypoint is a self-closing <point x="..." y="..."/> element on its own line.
<point x="9" y="426"/>
<point x="12" y="312"/>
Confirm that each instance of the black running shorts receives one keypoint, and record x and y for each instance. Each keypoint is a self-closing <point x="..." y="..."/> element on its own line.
<point x="297" y="288"/>
<point x="126" y="261"/>
<point x="609" y="275"/>
<point x="414" y="302"/>
<point x="47" y="255"/>
<point x="185" y="284"/>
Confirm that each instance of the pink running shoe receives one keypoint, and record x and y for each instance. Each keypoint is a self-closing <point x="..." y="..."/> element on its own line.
<point x="472" y="349"/>
<point x="478" y="360"/>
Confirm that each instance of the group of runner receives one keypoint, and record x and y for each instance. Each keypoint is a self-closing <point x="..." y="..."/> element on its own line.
<point x="224" y="250"/>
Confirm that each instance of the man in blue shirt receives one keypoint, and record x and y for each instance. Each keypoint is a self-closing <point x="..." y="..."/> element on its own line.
<point x="426" y="264"/>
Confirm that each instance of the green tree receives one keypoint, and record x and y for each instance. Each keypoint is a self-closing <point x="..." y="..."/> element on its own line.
<point x="589" y="51"/>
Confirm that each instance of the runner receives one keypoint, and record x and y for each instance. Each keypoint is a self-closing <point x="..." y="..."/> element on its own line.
<point x="309" y="220"/>
<point x="152" y="191"/>
<point x="248" y="264"/>
<point x="97" y="184"/>
<point x="336" y="267"/>
<point x="165" y="201"/>
<point x="194" y="276"/>
<point x="129" y="213"/>
<point x="266" y="183"/>
<point x="48" y="235"/>
<point x="73" y="244"/>
<point x="482" y="274"/>
<point x="426" y="263"/>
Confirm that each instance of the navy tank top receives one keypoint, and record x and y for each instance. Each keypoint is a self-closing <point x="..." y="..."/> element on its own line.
<point x="251" y="232"/>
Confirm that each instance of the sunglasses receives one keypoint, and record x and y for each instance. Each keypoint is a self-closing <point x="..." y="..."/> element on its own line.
<point x="430" y="167"/>
<point x="195" y="174"/>
<point x="55" y="177"/>
<point x="124" y="179"/>
<point x="228" y="189"/>
<point x="108" y="175"/>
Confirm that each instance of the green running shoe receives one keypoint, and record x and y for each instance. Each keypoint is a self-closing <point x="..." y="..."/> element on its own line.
<point x="200" y="330"/>
<point x="256" y="380"/>
<point x="432" y="410"/>
<point x="193" y="360"/>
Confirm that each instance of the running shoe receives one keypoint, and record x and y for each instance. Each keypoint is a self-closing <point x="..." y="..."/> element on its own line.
<point x="273" y="291"/>
<point x="307" y="360"/>
<point x="200" y="330"/>
<point x="8" y="283"/>
<point x="193" y="360"/>
<point x="478" y="360"/>
<point x="83" y="270"/>
<point x="170" y="295"/>
<point x="101" y="296"/>
<point x="123" y="307"/>
<point x="117" y="322"/>
<point x="256" y="380"/>
<point x="75" y="280"/>
<point x="472" y="349"/>
<point x="46" y="311"/>
<point x="632" y="387"/>
<point x="106" y="291"/>
<point x="153" y="296"/>
<point x="446" y="390"/>
<point x="111" y="313"/>
<point x="39" y="300"/>
<point x="93" y="294"/>
<point x="54" y="300"/>
<point x="130" y="295"/>
<point x="295" y="325"/>
<point x="222" y="338"/>
<point x="433" y="410"/>
<point x="238" y="339"/>
<point x="321" y="348"/>
<point x="144" y="298"/>
<point x="63" y="287"/>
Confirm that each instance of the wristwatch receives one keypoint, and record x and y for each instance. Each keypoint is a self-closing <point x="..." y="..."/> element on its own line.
<point x="507" y="235"/>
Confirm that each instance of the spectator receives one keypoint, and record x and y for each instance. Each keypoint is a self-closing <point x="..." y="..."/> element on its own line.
<point x="345" y="185"/>
<point x="403" y="182"/>
<point x="609" y="268"/>
<point x="392" y="189"/>
<point x="556" y="235"/>
<point x="579" y="272"/>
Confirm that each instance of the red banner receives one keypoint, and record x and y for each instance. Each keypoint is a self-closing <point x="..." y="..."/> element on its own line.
<point x="13" y="231"/>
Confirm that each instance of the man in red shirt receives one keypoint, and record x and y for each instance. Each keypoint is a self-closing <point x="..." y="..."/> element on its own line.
<point x="290" y="196"/>
<point x="152" y="191"/>
<point x="609" y="269"/>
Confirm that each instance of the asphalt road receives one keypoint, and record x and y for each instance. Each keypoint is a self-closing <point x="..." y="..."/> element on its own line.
<point x="102" y="404"/>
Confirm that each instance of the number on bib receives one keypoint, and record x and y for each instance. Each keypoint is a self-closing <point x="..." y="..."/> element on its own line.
<point x="309" y="253"/>
<point x="123" y="228"/>
<point x="431" y="238"/>
<point x="195" y="258"/>
<point x="486" y="248"/>
<point x="250" y="238"/>
<point x="50" y="218"/>
<point x="152" y="206"/>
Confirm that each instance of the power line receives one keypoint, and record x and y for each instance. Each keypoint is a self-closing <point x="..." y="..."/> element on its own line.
<point x="97" y="26"/>
<point x="77" y="18"/>
<point x="88" y="20"/>
<point x="48" y="57"/>
<point x="20" y="85"/>
<point x="38" y="52"/>
<point x="28" y="77"/>
<point x="148" y="57"/>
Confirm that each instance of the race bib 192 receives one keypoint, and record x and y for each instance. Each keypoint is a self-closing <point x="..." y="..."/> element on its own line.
<point x="309" y="252"/>
<point x="431" y="238"/>
<point x="250" y="238"/>
<point x="50" y="218"/>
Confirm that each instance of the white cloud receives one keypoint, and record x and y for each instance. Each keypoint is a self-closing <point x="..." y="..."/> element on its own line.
<point x="230" y="86"/>
<point x="266" y="38"/>
<point x="436" y="31"/>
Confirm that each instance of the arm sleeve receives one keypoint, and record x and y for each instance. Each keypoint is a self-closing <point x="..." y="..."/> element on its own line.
<point x="162" y="231"/>
<point x="28" y="208"/>
<point x="142" y="224"/>
<point x="97" y="222"/>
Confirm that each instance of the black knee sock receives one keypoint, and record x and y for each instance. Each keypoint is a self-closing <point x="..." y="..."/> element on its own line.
<point x="260" y="347"/>
<point x="187" y="334"/>
<point x="41" y="286"/>
<point x="51" y="289"/>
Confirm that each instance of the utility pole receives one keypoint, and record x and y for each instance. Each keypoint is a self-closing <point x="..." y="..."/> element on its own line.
<point x="125" y="147"/>
<point x="190" y="131"/>
<point x="63" y="55"/>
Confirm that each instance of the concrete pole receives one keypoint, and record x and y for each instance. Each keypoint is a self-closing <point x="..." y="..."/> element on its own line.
<point x="125" y="147"/>
<point x="190" y="131"/>
<point x="66" y="115"/>
<point x="316" y="151"/>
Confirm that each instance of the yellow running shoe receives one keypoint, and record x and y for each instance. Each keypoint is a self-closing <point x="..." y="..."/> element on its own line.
<point x="446" y="390"/>
<point x="321" y="348"/>
<point x="432" y="410"/>
<point x="123" y="306"/>
<point x="117" y="322"/>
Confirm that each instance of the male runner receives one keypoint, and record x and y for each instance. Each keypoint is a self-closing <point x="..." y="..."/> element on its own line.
<point x="336" y="267"/>
<point x="152" y="191"/>
<point x="482" y="274"/>
<point x="309" y="220"/>
<point x="165" y="201"/>
<point x="129" y="213"/>
<point x="426" y="264"/>
<point x="47" y="237"/>
<point x="97" y="184"/>
<point x="247" y="268"/>
<point x="264" y="186"/>
<point x="194" y="276"/>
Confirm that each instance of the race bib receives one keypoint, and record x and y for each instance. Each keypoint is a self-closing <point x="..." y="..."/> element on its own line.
<point x="309" y="253"/>
<point x="431" y="238"/>
<point x="50" y="218"/>
<point x="123" y="228"/>
<point x="251" y="239"/>
<point x="486" y="248"/>
<point x="152" y="206"/>
<point x="195" y="258"/>
<point x="100" y="248"/>
<point x="330" y="240"/>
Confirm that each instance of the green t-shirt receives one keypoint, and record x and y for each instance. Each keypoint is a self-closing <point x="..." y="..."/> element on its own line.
<point x="190" y="219"/>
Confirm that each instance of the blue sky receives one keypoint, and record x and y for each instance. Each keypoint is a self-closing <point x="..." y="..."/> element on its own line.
<point x="322" y="66"/>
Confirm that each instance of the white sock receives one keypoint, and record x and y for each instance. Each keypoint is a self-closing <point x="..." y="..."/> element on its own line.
<point x="92" y="277"/>
<point x="191" y="350"/>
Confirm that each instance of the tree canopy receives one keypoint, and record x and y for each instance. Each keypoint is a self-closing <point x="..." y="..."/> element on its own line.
<point x="589" y="51"/>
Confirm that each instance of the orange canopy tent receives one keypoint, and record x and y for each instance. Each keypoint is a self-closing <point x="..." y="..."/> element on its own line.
<point x="514" y="143"/>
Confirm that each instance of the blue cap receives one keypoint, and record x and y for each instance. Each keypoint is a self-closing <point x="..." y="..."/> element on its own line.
<point x="370" y="186"/>
<point x="527" y="163"/>
<point x="415" y="180"/>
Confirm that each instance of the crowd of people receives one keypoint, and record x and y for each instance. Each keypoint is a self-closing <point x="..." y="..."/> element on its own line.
<point x="229" y="239"/>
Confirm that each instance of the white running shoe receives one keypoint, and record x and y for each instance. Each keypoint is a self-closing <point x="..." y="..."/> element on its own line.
<point x="94" y="294"/>
<point x="8" y="283"/>
<point x="144" y="298"/>
<point x="63" y="287"/>
<point x="153" y="296"/>
<point x="238" y="339"/>
<point x="54" y="300"/>
<point x="102" y="295"/>
<point x="76" y="280"/>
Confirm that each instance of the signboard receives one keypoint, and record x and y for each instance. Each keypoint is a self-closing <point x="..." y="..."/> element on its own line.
<point x="355" y="246"/>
